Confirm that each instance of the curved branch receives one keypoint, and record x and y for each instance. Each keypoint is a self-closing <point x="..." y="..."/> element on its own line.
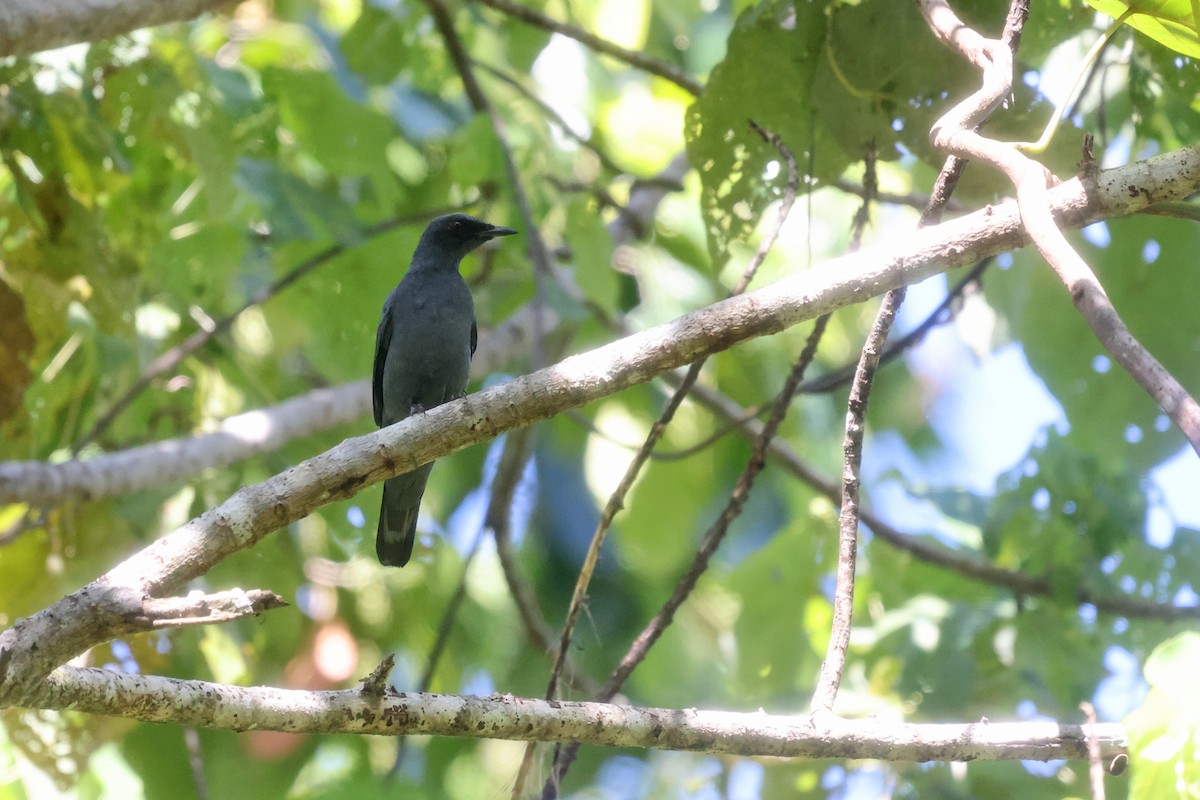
<point x="655" y="66"/>
<point x="955" y="132"/>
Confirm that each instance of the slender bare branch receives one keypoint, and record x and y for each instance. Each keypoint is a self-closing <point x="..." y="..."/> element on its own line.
<point x="564" y="757"/>
<point x="556" y="118"/>
<point x="830" y="675"/>
<point x="1095" y="761"/>
<point x="654" y="66"/>
<point x="711" y="540"/>
<point x="617" y="500"/>
<point x="856" y="408"/>
<point x="912" y="200"/>
<point x="856" y="412"/>
<point x="195" y="752"/>
<point x="922" y="548"/>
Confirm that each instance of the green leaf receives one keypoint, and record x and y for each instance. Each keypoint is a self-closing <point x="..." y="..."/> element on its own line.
<point x="767" y="75"/>
<point x="342" y="135"/>
<point x="1164" y="733"/>
<point x="1171" y="23"/>
<point x="827" y="77"/>
<point x="592" y="254"/>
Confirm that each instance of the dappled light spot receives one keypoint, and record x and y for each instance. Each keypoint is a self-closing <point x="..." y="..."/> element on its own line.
<point x="1150" y="251"/>
<point x="1097" y="234"/>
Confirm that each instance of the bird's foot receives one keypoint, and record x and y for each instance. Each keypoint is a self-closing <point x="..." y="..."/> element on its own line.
<point x="460" y="395"/>
<point x="416" y="408"/>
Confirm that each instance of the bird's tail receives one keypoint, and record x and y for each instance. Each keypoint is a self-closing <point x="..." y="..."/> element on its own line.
<point x="398" y="517"/>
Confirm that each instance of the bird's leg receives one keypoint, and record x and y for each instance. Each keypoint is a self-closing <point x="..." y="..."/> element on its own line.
<point x="416" y="408"/>
<point x="459" y="395"/>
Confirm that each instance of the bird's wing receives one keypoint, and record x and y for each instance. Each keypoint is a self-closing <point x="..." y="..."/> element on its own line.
<point x="474" y="336"/>
<point x="383" y="338"/>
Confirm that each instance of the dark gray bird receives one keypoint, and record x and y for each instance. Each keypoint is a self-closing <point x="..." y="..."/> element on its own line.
<point x="422" y="357"/>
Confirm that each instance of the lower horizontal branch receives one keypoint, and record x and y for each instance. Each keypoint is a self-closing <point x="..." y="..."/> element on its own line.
<point x="152" y="698"/>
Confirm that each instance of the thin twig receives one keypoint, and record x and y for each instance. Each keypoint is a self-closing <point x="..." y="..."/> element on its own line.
<point x="654" y="66"/>
<point x="563" y="757"/>
<point x="503" y="489"/>
<point x="617" y="500"/>
<point x="912" y="200"/>
<point x="944" y="313"/>
<point x="536" y="629"/>
<point x="849" y="515"/>
<point x="172" y="358"/>
<point x="843" y="602"/>
<point x="922" y="548"/>
<point x="856" y="411"/>
<point x="195" y="753"/>
<point x="1095" y="764"/>
<point x="551" y="114"/>
<point x="716" y="533"/>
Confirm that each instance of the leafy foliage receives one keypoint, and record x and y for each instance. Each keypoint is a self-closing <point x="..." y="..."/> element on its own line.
<point x="1172" y="23"/>
<point x="154" y="183"/>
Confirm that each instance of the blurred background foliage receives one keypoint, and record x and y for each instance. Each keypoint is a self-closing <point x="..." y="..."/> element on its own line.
<point x="154" y="183"/>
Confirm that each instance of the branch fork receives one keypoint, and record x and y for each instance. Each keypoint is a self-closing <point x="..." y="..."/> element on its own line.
<point x="955" y="132"/>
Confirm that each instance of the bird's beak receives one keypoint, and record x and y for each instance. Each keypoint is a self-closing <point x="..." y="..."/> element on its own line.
<point x="498" y="231"/>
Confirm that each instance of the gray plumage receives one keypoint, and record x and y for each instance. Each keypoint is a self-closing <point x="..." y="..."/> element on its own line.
<point x="422" y="358"/>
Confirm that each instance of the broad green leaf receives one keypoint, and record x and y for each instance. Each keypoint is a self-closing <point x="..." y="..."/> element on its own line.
<point x="831" y="78"/>
<point x="1171" y="23"/>
<point x="1164" y="732"/>
<point x="344" y="136"/>
<point x="767" y="76"/>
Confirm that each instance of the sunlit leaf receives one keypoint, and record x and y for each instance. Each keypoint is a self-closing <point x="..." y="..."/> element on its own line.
<point x="1171" y="23"/>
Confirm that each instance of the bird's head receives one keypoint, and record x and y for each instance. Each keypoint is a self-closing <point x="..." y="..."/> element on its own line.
<point x="455" y="235"/>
